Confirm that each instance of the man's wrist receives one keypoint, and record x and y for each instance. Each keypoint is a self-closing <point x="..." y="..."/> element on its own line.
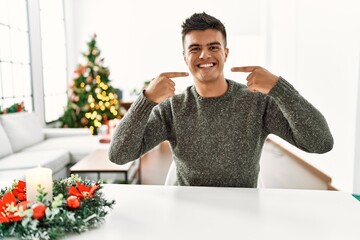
<point x="148" y="96"/>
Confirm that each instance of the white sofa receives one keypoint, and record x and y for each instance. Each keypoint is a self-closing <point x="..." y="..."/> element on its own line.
<point x="25" y="144"/>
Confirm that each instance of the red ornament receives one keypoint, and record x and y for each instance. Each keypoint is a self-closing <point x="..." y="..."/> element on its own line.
<point x="80" y="70"/>
<point x="20" y="107"/>
<point x="84" y="121"/>
<point x="89" y="79"/>
<point x="73" y="202"/>
<point x="39" y="210"/>
<point x="20" y="190"/>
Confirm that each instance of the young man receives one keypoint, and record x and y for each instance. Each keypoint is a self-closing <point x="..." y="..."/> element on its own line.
<point x="217" y="127"/>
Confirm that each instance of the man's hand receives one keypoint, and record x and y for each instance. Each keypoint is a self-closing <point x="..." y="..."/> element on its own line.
<point x="259" y="80"/>
<point x="162" y="86"/>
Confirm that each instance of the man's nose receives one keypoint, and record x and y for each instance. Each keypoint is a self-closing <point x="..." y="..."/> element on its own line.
<point x="205" y="54"/>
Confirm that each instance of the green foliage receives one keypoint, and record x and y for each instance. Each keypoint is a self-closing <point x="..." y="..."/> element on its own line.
<point x="59" y="218"/>
<point x="92" y="101"/>
<point x="41" y="194"/>
<point x="16" y="107"/>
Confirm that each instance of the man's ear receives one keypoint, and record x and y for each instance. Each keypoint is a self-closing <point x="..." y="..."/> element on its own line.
<point x="226" y="53"/>
<point x="184" y="57"/>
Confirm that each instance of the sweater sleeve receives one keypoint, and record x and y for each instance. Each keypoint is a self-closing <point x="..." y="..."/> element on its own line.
<point x="140" y="130"/>
<point x="293" y="118"/>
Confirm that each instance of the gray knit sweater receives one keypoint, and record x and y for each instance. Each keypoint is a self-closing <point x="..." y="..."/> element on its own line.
<point x="218" y="141"/>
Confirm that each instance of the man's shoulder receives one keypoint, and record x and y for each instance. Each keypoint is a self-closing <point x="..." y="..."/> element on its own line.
<point x="236" y="84"/>
<point x="240" y="92"/>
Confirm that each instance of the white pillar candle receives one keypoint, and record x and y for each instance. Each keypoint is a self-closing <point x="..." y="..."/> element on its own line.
<point x="36" y="176"/>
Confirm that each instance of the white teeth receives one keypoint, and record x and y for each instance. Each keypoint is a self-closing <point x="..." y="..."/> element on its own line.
<point x="206" y="65"/>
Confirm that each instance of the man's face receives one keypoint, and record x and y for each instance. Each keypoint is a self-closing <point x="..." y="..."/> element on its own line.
<point x="205" y="54"/>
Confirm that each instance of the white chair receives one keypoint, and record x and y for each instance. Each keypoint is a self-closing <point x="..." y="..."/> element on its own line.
<point x="260" y="183"/>
<point x="171" y="177"/>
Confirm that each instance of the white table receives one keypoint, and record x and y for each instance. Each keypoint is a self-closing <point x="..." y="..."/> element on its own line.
<point x="166" y="212"/>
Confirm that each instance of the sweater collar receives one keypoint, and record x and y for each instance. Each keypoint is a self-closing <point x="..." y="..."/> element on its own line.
<point x="224" y="96"/>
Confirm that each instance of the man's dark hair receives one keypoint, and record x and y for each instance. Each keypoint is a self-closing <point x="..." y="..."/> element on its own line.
<point x="202" y="21"/>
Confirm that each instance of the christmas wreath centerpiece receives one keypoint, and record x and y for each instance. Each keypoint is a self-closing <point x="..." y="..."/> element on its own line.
<point x="77" y="206"/>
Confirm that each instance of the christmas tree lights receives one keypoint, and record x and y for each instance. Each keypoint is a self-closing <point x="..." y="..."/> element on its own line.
<point x="92" y="101"/>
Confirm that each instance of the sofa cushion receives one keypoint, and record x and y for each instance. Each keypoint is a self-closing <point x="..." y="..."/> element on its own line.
<point x="5" y="148"/>
<point x="23" y="129"/>
<point x="65" y="132"/>
<point x="53" y="159"/>
<point x="78" y="146"/>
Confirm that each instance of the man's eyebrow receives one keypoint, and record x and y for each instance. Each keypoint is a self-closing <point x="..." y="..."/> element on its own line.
<point x="193" y="45"/>
<point x="209" y="44"/>
<point x="214" y="43"/>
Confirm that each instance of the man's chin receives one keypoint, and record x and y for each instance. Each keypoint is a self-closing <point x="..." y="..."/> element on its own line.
<point x="205" y="79"/>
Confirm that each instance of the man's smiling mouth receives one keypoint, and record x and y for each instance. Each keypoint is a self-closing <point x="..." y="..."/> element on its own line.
<point x="206" y="65"/>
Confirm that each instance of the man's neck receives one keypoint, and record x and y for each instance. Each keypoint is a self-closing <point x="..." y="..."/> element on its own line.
<point x="211" y="89"/>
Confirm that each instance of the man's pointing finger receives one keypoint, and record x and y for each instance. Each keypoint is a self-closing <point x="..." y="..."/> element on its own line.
<point x="174" y="74"/>
<point x="244" y="69"/>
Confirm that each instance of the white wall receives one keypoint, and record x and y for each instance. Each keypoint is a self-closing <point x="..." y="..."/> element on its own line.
<point x="313" y="44"/>
<point x="316" y="44"/>
<point x="357" y="141"/>
<point x="140" y="39"/>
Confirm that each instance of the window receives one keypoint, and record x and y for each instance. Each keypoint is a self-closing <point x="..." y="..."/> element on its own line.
<point x="53" y="58"/>
<point x="16" y="68"/>
<point x="15" y="75"/>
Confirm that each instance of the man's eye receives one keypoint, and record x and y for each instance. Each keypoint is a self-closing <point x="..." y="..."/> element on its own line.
<point x="214" y="48"/>
<point x="195" y="49"/>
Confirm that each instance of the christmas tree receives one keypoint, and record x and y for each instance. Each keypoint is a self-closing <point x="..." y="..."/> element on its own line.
<point x="92" y="101"/>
